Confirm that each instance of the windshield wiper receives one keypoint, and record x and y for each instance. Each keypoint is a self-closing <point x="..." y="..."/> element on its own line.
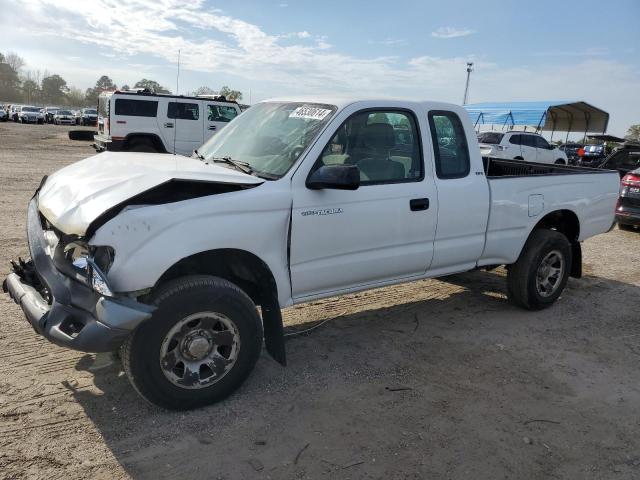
<point x="242" y="166"/>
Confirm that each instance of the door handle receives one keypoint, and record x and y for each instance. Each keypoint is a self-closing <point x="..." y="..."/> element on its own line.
<point x="212" y="127"/>
<point x="168" y="125"/>
<point x="418" y="204"/>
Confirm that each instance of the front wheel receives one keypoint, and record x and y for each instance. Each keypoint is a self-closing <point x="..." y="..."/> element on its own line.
<point x="541" y="272"/>
<point x="199" y="346"/>
<point x="560" y="162"/>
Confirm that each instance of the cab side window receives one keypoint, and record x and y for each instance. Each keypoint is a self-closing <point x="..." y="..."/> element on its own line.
<point x="449" y="145"/>
<point x="516" y="139"/>
<point x="383" y="144"/>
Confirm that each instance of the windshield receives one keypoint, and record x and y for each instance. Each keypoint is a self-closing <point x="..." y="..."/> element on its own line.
<point x="64" y="112"/>
<point x="90" y="112"/>
<point x="30" y="109"/>
<point x="492" y="138"/>
<point x="269" y="137"/>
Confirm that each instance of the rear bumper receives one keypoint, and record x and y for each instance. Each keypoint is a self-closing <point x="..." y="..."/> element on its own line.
<point x="76" y="317"/>
<point x="628" y="216"/>
<point x="103" y="142"/>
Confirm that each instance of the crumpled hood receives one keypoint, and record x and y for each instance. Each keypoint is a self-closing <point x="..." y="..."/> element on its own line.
<point x="76" y="195"/>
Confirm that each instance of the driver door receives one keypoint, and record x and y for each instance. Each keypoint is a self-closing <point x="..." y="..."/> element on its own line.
<point x="384" y="230"/>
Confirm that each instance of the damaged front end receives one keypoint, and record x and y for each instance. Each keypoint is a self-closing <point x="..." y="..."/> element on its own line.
<point x="65" y="295"/>
<point x="64" y="289"/>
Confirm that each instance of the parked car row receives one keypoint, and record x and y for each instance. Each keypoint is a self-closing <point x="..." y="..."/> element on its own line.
<point x="39" y="115"/>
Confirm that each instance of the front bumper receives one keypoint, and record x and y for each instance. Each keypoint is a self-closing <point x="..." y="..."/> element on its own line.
<point x="76" y="317"/>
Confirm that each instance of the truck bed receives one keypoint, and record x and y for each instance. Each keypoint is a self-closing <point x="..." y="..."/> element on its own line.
<point x="500" y="167"/>
<point x="522" y="193"/>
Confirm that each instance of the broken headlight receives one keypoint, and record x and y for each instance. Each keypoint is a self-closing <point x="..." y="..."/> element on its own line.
<point x="92" y="263"/>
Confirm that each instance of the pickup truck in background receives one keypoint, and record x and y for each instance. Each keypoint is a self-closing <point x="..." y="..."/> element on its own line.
<point x="166" y="258"/>
<point x="517" y="145"/>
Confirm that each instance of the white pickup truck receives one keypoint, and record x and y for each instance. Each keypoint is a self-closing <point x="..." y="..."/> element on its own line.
<point x="166" y="257"/>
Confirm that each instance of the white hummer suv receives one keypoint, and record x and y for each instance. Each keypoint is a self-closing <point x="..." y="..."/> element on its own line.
<point x="139" y="121"/>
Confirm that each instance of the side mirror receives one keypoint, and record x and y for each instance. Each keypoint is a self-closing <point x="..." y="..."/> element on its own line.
<point x="338" y="177"/>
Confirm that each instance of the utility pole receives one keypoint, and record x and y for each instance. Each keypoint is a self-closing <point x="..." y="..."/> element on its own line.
<point x="466" y="88"/>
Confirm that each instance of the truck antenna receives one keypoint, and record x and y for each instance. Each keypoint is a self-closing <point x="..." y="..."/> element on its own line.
<point x="175" y="126"/>
<point x="466" y="88"/>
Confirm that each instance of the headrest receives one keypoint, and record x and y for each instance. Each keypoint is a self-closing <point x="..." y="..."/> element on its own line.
<point x="379" y="136"/>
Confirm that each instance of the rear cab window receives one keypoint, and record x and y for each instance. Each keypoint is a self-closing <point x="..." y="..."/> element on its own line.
<point x="449" y="144"/>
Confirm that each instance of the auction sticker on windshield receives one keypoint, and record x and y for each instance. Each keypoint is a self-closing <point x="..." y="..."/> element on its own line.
<point x="312" y="113"/>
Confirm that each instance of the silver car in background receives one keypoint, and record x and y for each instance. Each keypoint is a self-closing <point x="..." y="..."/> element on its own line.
<point x="64" y="117"/>
<point x="30" y="114"/>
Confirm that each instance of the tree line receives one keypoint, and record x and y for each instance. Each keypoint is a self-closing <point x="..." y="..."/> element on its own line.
<point x="35" y="87"/>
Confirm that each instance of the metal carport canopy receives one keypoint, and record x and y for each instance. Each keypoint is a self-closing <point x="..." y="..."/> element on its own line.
<point x="564" y="116"/>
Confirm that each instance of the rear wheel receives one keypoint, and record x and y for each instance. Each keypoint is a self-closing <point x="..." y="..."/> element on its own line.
<point x="560" y="162"/>
<point x="541" y="272"/>
<point x="142" y="145"/>
<point x="199" y="347"/>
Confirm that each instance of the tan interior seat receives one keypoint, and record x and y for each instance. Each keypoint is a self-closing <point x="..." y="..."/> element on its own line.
<point x="379" y="139"/>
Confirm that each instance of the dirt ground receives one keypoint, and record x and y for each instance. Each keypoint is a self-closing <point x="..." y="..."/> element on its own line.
<point x="435" y="379"/>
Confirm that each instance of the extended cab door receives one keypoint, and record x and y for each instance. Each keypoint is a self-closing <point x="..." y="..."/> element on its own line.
<point x="384" y="230"/>
<point x="217" y="116"/>
<point x="180" y="123"/>
<point x="463" y="193"/>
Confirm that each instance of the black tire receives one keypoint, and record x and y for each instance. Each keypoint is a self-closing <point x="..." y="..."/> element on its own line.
<point x="177" y="300"/>
<point x="518" y="158"/>
<point x="560" y="162"/>
<point x="86" y="135"/>
<point x="624" y="226"/>
<point x="522" y="288"/>
<point x="143" y="145"/>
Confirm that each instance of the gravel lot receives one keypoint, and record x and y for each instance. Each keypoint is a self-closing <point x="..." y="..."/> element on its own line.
<point x="435" y="379"/>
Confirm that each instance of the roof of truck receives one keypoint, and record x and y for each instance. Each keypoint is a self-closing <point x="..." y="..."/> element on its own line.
<point x="343" y="101"/>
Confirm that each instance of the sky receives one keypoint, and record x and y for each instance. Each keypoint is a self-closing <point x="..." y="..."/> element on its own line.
<point x="544" y="50"/>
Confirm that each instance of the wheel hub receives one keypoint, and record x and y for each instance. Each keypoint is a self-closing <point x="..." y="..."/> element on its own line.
<point x="199" y="350"/>
<point x="550" y="273"/>
<point x="197" y="345"/>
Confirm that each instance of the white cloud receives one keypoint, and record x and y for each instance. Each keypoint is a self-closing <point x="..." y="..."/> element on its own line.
<point x="388" y="41"/>
<point x="451" y="32"/>
<point x="283" y="5"/>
